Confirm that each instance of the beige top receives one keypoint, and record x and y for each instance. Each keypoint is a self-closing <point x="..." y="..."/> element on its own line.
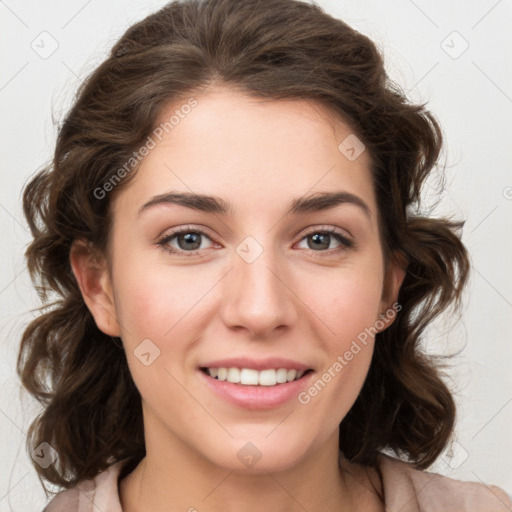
<point x="405" y="490"/>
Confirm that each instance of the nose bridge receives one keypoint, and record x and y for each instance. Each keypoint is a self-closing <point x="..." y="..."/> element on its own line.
<point x="257" y="297"/>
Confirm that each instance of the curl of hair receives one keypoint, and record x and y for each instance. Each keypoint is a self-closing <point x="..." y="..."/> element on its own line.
<point x="274" y="49"/>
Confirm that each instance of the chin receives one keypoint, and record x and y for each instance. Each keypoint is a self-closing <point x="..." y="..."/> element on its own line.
<point x="257" y="454"/>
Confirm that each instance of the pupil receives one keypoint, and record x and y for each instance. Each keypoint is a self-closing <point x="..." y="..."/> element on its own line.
<point x="320" y="241"/>
<point x="189" y="238"/>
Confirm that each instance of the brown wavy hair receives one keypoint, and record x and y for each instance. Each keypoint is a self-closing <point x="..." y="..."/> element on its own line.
<point x="274" y="49"/>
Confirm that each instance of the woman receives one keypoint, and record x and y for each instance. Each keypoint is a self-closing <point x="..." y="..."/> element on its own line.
<point x="269" y="364"/>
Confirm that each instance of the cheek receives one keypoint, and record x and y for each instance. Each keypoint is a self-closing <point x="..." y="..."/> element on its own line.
<point x="144" y="309"/>
<point x="348" y="301"/>
<point x="349" y="306"/>
<point x="155" y="332"/>
<point x="152" y="300"/>
<point x="355" y="307"/>
<point x="351" y="315"/>
<point x="161" y="311"/>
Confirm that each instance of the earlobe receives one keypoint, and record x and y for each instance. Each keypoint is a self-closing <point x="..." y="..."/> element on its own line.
<point x="94" y="280"/>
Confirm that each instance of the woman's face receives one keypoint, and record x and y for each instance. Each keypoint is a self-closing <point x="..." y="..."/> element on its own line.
<point x="261" y="278"/>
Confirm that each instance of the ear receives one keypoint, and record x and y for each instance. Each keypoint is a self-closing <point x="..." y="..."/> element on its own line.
<point x="395" y="274"/>
<point x="91" y="272"/>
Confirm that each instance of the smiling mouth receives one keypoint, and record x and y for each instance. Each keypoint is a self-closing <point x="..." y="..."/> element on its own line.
<point x="252" y="377"/>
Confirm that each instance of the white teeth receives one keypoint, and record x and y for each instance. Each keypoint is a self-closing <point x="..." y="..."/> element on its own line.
<point x="233" y="375"/>
<point x="248" y="376"/>
<point x="291" y="374"/>
<point x="281" y="375"/>
<point x="251" y="377"/>
<point x="267" y="378"/>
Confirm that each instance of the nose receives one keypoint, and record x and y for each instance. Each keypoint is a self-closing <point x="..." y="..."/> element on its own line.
<point x="258" y="297"/>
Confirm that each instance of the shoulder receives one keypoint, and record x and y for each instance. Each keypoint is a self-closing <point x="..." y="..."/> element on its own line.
<point x="99" y="493"/>
<point x="411" y="490"/>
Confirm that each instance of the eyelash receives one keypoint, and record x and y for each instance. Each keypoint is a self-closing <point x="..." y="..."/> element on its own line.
<point x="345" y="243"/>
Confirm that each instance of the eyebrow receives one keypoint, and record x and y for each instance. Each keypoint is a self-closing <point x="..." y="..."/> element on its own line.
<point x="213" y="204"/>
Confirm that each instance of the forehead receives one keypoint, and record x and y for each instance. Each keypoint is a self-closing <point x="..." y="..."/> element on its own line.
<point x="251" y="151"/>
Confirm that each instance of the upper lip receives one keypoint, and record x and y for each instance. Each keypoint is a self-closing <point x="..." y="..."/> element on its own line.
<point x="256" y="364"/>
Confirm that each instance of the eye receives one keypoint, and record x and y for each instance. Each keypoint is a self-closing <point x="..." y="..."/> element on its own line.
<point x="320" y="240"/>
<point x="184" y="240"/>
<point x="188" y="241"/>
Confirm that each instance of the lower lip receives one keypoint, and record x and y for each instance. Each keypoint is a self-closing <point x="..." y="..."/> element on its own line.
<point x="257" y="397"/>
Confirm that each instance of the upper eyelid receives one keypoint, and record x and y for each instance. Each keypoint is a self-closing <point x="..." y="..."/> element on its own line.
<point x="305" y="232"/>
<point x="323" y="227"/>
<point x="185" y="229"/>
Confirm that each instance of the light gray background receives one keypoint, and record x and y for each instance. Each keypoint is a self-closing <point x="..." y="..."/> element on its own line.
<point x="470" y="92"/>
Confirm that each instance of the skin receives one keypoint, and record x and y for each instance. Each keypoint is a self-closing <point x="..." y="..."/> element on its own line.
<point x="293" y="301"/>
